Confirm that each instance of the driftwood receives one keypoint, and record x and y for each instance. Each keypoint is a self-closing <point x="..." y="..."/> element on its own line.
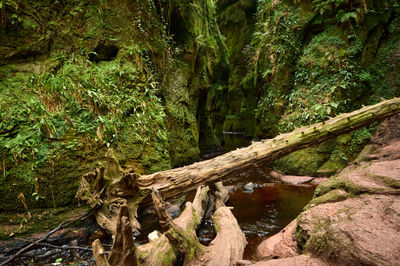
<point x="180" y="240"/>
<point x="99" y="254"/>
<point x="107" y="188"/>
<point x="186" y="224"/>
<point x="180" y="180"/>
<point x="46" y="236"/>
<point x="227" y="247"/>
<point x="123" y="250"/>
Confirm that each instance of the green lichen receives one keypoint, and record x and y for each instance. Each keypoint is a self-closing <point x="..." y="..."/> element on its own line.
<point x="331" y="196"/>
<point x="389" y="181"/>
<point x="20" y="225"/>
<point x="341" y="183"/>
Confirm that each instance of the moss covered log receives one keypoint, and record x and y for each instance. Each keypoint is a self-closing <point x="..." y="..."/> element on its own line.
<point x="177" y="181"/>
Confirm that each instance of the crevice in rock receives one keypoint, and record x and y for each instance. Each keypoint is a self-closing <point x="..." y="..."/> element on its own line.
<point x="104" y="51"/>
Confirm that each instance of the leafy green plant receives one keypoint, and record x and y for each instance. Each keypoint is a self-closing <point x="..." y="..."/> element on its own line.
<point x="345" y="10"/>
<point x="83" y="100"/>
<point x="37" y="196"/>
<point x="9" y="13"/>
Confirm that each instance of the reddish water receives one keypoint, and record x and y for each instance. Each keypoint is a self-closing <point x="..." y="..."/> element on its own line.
<point x="267" y="210"/>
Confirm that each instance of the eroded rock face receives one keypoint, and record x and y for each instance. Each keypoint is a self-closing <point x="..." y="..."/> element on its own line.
<point x="362" y="230"/>
<point x="301" y="260"/>
<point x="283" y="244"/>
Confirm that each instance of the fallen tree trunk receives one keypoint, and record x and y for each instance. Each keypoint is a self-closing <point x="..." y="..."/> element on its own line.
<point x="180" y="180"/>
<point x="109" y="187"/>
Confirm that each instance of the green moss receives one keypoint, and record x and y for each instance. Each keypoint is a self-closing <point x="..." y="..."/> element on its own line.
<point x="319" y="240"/>
<point x="301" y="235"/>
<point x="55" y="109"/>
<point x="235" y="101"/>
<point x="328" y="158"/>
<point x="331" y="196"/>
<point x="171" y="91"/>
<point x="169" y="258"/>
<point x="304" y="162"/>
<point x="341" y="183"/>
<point x="312" y="65"/>
<point x="391" y="182"/>
<point x="331" y="167"/>
<point x="20" y="225"/>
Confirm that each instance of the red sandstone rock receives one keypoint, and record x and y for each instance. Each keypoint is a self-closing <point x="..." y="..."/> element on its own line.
<point x="282" y="244"/>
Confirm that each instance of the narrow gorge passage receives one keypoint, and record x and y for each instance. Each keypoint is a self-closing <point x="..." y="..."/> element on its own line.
<point x="108" y="105"/>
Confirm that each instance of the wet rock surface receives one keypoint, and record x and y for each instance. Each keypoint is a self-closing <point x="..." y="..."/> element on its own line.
<point x="295" y="180"/>
<point x="250" y="187"/>
<point x="282" y="244"/>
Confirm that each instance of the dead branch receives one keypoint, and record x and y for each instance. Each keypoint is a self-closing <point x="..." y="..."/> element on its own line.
<point x="66" y="247"/>
<point x="225" y="249"/>
<point x="123" y="250"/>
<point x="43" y="238"/>
<point x="99" y="254"/>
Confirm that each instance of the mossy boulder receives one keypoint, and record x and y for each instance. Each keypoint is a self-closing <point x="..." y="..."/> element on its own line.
<point x="328" y="158"/>
<point x="304" y="162"/>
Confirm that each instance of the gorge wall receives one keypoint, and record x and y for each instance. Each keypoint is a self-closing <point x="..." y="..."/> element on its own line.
<point x="160" y="82"/>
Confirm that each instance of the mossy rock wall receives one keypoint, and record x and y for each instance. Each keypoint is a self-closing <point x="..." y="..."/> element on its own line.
<point x="316" y="60"/>
<point x="160" y="82"/>
<point x="79" y="77"/>
<point x="294" y="63"/>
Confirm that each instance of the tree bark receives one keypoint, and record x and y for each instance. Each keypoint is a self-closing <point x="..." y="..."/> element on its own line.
<point x="177" y="181"/>
<point x="123" y="249"/>
<point x="180" y="237"/>
<point x="180" y="233"/>
<point x="99" y="254"/>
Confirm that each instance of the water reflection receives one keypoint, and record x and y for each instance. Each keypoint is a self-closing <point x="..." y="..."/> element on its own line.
<point x="267" y="210"/>
<point x="234" y="140"/>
